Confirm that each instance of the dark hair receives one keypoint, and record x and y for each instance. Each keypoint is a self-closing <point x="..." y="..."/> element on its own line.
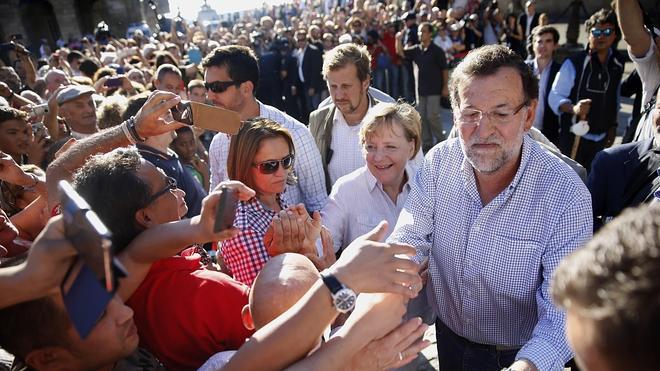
<point x="429" y="26"/>
<point x="601" y="17"/>
<point x="166" y="68"/>
<point x="73" y="55"/>
<point x="111" y="185"/>
<point x="541" y="30"/>
<point x="240" y="61"/>
<point x="134" y="105"/>
<point x="9" y="113"/>
<point x="89" y="67"/>
<point x="162" y="58"/>
<point x="486" y="61"/>
<point x="613" y="281"/>
<point x="33" y="325"/>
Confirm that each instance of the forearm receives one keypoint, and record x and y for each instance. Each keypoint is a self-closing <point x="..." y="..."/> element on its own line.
<point x="30" y="220"/>
<point x="16" y="288"/>
<point x="20" y="101"/>
<point x="30" y="72"/>
<point x="163" y="240"/>
<point x="64" y="166"/>
<point x="50" y="121"/>
<point x="290" y="336"/>
<point x="632" y="26"/>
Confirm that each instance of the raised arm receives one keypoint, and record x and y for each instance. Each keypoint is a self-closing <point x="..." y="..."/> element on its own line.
<point x="292" y="335"/>
<point x="148" y="122"/>
<point x="631" y="22"/>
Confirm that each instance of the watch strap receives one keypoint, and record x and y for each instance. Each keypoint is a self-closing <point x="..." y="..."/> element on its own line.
<point x="331" y="282"/>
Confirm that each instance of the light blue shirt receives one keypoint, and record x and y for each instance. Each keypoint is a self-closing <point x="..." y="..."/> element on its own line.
<point x="490" y="266"/>
<point x="543" y="84"/>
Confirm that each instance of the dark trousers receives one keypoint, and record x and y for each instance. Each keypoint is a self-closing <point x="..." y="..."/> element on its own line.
<point x="456" y="353"/>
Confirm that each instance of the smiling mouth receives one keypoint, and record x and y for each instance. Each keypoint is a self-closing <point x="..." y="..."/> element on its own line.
<point x="383" y="167"/>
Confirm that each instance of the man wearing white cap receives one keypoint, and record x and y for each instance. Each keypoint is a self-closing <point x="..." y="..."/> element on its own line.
<point x="77" y="107"/>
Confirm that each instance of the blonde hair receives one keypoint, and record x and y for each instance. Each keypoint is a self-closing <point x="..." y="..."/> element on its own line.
<point x="345" y="54"/>
<point x="386" y="115"/>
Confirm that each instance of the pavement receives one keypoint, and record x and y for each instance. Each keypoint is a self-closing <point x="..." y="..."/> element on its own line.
<point x="428" y="358"/>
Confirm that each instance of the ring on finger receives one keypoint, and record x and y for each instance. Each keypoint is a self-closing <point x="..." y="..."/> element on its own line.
<point x="400" y="356"/>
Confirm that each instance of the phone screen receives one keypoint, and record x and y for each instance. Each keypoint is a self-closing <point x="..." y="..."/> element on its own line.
<point x="182" y="113"/>
<point x="89" y="236"/>
<point x="224" y="218"/>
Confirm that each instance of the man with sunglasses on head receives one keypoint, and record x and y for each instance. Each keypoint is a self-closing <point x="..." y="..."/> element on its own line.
<point x="495" y="213"/>
<point x="587" y="88"/>
<point x="232" y="77"/>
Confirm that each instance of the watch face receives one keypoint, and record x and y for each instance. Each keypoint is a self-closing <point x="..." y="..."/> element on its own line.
<point x="345" y="300"/>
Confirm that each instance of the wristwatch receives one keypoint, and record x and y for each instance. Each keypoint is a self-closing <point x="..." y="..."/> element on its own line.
<point x="343" y="298"/>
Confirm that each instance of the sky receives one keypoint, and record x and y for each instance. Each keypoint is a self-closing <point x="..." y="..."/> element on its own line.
<point x="189" y="8"/>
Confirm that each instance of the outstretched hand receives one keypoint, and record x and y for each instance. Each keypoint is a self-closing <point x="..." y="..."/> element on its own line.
<point x="368" y="265"/>
<point x="150" y="119"/>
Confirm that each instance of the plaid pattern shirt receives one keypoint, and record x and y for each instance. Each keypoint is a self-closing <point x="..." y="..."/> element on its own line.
<point x="310" y="188"/>
<point x="490" y="266"/>
<point x="246" y="253"/>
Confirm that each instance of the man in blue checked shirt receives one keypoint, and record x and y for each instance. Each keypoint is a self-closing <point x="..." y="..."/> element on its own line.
<point x="495" y="214"/>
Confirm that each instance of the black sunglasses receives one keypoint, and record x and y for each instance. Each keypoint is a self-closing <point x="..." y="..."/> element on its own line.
<point x="170" y="185"/>
<point x="271" y="166"/>
<point x="221" y="86"/>
<point x="598" y="32"/>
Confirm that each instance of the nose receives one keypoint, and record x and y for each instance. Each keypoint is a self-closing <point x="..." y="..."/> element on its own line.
<point x="180" y="192"/>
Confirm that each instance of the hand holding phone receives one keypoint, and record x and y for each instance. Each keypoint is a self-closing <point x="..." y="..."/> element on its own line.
<point x="182" y="113"/>
<point x="226" y="211"/>
<point x="114" y="82"/>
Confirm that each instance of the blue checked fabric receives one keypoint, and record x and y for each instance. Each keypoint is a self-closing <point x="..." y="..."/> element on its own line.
<point x="490" y="267"/>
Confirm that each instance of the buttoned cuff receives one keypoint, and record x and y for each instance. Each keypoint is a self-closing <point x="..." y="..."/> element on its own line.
<point x="544" y="355"/>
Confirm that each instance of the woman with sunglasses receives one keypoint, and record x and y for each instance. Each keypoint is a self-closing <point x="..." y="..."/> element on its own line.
<point x="390" y="137"/>
<point x="261" y="156"/>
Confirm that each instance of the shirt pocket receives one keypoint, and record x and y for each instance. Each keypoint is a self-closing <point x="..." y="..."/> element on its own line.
<point x="515" y="269"/>
<point x="364" y="224"/>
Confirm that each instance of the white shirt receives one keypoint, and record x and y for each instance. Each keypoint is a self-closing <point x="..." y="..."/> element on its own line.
<point x="357" y="203"/>
<point x="543" y="83"/>
<point x="444" y="43"/>
<point x="300" y="55"/>
<point x="310" y="188"/>
<point x="648" y="68"/>
<point x="346" y="149"/>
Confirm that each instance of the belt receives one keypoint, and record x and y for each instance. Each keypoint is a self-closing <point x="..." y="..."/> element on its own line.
<point x="499" y="348"/>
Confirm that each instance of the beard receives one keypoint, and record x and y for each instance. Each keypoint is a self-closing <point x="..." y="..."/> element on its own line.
<point x="490" y="160"/>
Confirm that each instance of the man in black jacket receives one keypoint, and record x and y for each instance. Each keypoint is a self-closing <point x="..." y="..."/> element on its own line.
<point x="310" y="61"/>
<point x="545" y="41"/>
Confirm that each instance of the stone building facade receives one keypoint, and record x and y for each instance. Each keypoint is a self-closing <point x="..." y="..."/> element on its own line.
<point x="54" y="19"/>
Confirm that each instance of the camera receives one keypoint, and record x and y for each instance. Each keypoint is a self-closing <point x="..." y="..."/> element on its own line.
<point x="39" y="110"/>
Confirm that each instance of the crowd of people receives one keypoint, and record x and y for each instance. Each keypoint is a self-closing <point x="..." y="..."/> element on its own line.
<point x="524" y="235"/>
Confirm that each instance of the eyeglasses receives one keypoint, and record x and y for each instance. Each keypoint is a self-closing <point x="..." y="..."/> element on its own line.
<point x="170" y="185"/>
<point x="221" y="86"/>
<point x="502" y="116"/>
<point x="271" y="166"/>
<point x="598" y="32"/>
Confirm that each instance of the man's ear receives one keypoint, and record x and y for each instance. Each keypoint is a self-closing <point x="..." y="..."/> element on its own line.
<point x="530" y="114"/>
<point x="246" y="316"/>
<point x="143" y="218"/>
<point x="247" y="89"/>
<point x="50" y="358"/>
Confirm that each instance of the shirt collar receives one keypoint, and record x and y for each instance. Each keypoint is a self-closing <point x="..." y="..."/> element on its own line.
<point x="339" y="117"/>
<point x="471" y="183"/>
<point x="372" y="182"/>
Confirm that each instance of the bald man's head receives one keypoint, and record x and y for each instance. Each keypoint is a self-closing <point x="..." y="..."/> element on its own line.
<point x="280" y="284"/>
